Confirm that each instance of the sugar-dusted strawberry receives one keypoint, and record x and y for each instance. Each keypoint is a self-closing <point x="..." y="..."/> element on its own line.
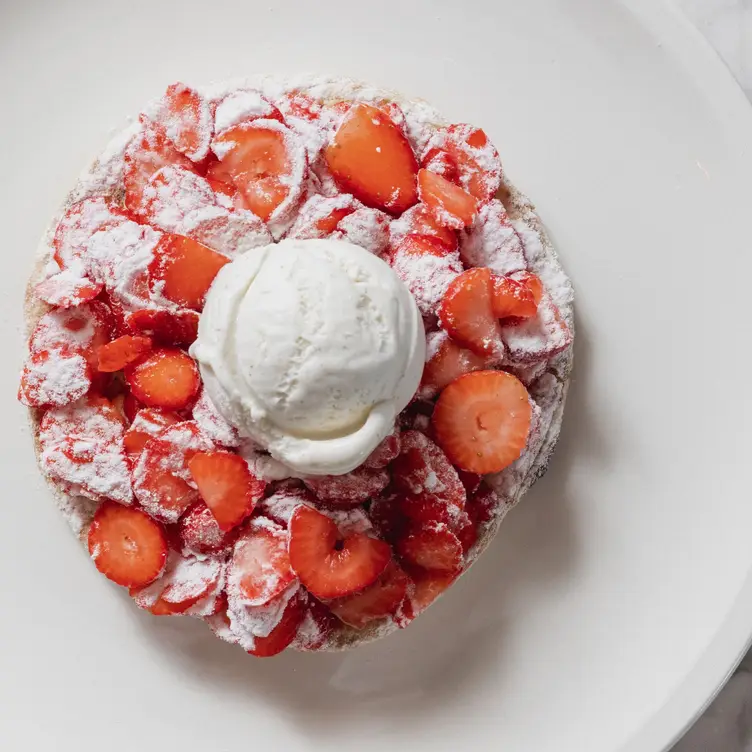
<point x="426" y="586"/>
<point x="165" y="377"/>
<point x="439" y="161"/>
<point x="328" y="564"/>
<point x="318" y="625"/>
<point x="220" y="180"/>
<point x="387" y="518"/>
<point x="260" y="564"/>
<point x="184" y="270"/>
<point x="349" y="490"/>
<point x="285" y="498"/>
<point x="385" y="452"/>
<point x="126" y="545"/>
<point x="511" y="299"/>
<point x="226" y="485"/>
<point x="131" y="406"/>
<point x="427" y="267"/>
<point x="452" y="206"/>
<point x="467" y="533"/>
<point x="319" y="216"/>
<point x="116" y="355"/>
<point x="471" y="482"/>
<point x="161" y="478"/>
<point x="466" y="313"/>
<point x="484" y="505"/>
<point x="482" y="421"/>
<point x="67" y="289"/>
<point x="426" y="508"/>
<point x="200" y="534"/>
<point x="492" y="241"/>
<point x="148" y="152"/>
<point x="417" y="220"/>
<point x="432" y="546"/>
<point x="284" y="633"/>
<point x="184" y="116"/>
<point x="297" y="104"/>
<point x="474" y="158"/>
<point x="146" y="424"/>
<point x="243" y="105"/>
<point x="166" y="328"/>
<point x="54" y="377"/>
<point x="366" y="227"/>
<point x="212" y="423"/>
<point x="375" y="602"/>
<point x="370" y="157"/>
<point x="533" y="283"/>
<point x="267" y="163"/>
<point x="445" y="362"/>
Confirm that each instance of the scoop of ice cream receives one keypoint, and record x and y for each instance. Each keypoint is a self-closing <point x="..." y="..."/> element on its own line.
<point x="311" y="348"/>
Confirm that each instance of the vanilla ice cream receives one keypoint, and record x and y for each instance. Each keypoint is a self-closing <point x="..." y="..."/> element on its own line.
<point x="311" y="348"/>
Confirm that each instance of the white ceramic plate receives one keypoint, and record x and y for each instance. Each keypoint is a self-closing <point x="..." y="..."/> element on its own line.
<point x="617" y="598"/>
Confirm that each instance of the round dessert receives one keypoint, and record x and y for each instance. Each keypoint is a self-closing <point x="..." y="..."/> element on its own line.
<point x="295" y="349"/>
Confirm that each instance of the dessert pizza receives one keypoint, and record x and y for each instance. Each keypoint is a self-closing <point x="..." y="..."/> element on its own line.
<point x="295" y="349"/>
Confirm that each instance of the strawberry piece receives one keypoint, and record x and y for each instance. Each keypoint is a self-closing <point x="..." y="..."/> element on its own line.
<point x="471" y="482"/>
<point x="148" y="423"/>
<point x="284" y="633"/>
<point x="243" y="105"/>
<point x="166" y="328"/>
<point x="451" y="206"/>
<point x="131" y="406"/>
<point x="366" y="227"/>
<point x="426" y="587"/>
<point x="475" y="161"/>
<point x="484" y="505"/>
<point x="482" y="421"/>
<point x="349" y="490"/>
<point x="116" y="355"/>
<point x="319" y="216"/>
<point x="511" y="299"/>
<point x="329" y="565"/>
<point x="318" y="625"/>
<point x="226" y="485"/>
<point x="386" y="516"/>
<point x="200" y="534"/>
<point x="492" y="241"/>
<point x="267" y="164"/>
<point x="376" y="602"/>
<point x="440" y="162"/>
<point x="284" y="500"/>
<point x="149" y="151"/>
<point x="417" y="220"/>
<point x="427" y="508"/>
<point x="67" y="289"/>
<point x="427" y="267"/>
<point x="212" y="423"/>
<point x="466" y="312"/>
<point x="260" y="565"/>
<point x="467" y="533"/>
<point x="297" y="104"/>
<point x="370" y="157"/>
<point x="533" y="283"/>
<point x="220" y="180"/>
<point x="126" y="545"/>
<point x="184" y="270"/>
<point x="447" y="361"/>
<point x="165" y="377"/>
<point x="54" y="377"/>
<point x="183" y="115"/>
<point x="433" y="547"/>
<point x="539" y="337"/>
<point x="384" y="452"/>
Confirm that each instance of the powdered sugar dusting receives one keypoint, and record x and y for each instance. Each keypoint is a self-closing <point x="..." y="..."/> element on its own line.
<point x="427" y="276"/>
<point x="492" y="241"/>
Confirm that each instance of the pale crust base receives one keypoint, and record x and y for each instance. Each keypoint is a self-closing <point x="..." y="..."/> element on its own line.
<point x="101" y="179"/>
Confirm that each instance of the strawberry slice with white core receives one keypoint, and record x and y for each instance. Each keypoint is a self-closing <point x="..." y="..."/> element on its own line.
<point x="126" y="545"/>
<point x="349" y="490"/>
<point x="451" y="206"/>
<point x="260" y="564"/>
<point x="491" y="241"/>
<point x="146" y="424"/>
<point x="241" y="106"/>
<point x="165" y="377"/>
<point x="445" y="362"/>
<point x="200" y="534"/>
<point x="185" y="118"/>
<point x="466" y="313"/>
<point x="511" y="299"/>
<point x="328" y="564"/>
<point x="166" y="328"/>
<point x="67" y="289"/>
<point x="417" y="220"/>
<point x="268" y="164"/>
<point x="427" y="267"/>
<point x="81" y="447"/>
<point x="482" y="421"/>
<point x="116" y="355"/>
<point x="226" y="485"/>
<point x="371" y="158"/>
<point x="433" y="547"/>
<point x="376" y="602"/>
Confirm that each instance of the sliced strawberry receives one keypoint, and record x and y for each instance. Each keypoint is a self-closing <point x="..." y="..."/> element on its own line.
<point x="433" y="547"/>
<point x="376" y="602"/>
<point x="350" y="490"/>
<point x="219" y="178"/>
<point x="492" y="241"/>
<point x="533" y="283"/>
<point x="450" y="205"/>
<point x="116" y="355"/>
<point x="467" y="533"/>
<point x="226" y="485"/>
<point x="318" y="625"/>
<point x="149" y="151"/>
<point x="511" y="299"/>
<point x="384" y="452"/>
<point x="260" y="565"/>
<point x="243" y="105"/>
<point x="212" y="423"/>
<point x="54" y="377"/>
<point x="67" y="289"/>
<point x="165" y="377"/>
<point x="482" y="421"/>
<point x="297" y="104"/>
<point x="440" y="161"/>
<point x="426" y="587"/>
<point x="329" y="565"/>
<point x="446" y="362"/>
<point x="471" y="482"/>
<point x="167" y="328"/>
<point x="370" y="157"/>
<point x="284" y="500"/>
<point x="200" y="534"/>
<point x="184" y="270"/>
<point x="484" y="505"/>
<point x="284" y="633"/>
<point x="146" y="424"/>
<point x="417" y="220"/>
<point x="185" y="118"/>
<point x="466" y="312"/>
<point x="127" y="546"/>
<point x="320" y="215"/>
<point x="426" y="508"/>
<point x="386" y="516"/>
<point x="267" y="164"/>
